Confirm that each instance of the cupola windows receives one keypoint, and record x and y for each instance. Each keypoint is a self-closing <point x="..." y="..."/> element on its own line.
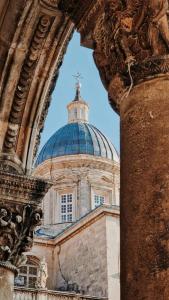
<point x="66" y="208"/>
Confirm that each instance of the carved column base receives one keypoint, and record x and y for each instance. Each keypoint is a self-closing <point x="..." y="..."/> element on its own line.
<point x="6" y="283"/>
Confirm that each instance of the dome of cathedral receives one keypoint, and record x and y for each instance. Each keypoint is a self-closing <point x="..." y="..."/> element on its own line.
<point x="77" y="138"/>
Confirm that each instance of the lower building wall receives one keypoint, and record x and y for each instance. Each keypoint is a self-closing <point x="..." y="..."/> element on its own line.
<point x="83" y="262"/>
<point x="87" y="261"/>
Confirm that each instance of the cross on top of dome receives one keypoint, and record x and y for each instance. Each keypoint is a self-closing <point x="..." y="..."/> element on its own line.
<point x="78" y="108"/>
<point x="78" y="86"/>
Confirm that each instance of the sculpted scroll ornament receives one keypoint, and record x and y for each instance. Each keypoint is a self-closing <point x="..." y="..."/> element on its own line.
<point x="132" y="42"/>
<point x="17" y="225"/>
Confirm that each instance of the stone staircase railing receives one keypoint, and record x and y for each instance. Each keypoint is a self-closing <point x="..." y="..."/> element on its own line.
<point x="32" y="294"/>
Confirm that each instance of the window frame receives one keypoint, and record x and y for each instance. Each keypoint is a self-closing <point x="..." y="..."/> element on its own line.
<point x="66" y="207"/>
<point x="27" y="275"/>
<point x="100" y="198"/>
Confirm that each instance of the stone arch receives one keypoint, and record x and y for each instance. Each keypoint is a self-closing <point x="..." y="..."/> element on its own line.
<point x="30" y="67"/>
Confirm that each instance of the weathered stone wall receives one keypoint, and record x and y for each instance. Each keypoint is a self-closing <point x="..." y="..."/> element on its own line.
<point x="85" y="256"/>
<point x="83" y="260"/>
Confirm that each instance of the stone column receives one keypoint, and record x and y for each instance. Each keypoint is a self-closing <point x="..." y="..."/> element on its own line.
<point x="131" y="51"/>
<point x="145" y="192"/>
<point x="6" y="283"/>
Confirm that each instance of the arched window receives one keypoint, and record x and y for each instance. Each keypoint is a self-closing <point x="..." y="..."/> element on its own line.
<point x="27" y="276"/>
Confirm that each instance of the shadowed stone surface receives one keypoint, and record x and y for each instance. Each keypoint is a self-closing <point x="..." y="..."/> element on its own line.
<point x="145" y="192"/>
<point x="6" y="284"/>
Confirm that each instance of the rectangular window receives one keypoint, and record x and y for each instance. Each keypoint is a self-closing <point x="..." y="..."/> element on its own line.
<point x="66" y="208"/>
<point x="27" y="276"/>
<point x="98" y="200"/>
<point x="69" y="218"/>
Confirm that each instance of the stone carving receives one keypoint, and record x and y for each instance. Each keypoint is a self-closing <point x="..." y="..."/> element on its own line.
<point x="131" y="43"/>
<point x="20" y="213"/>
<point x="42" y="275"/>
<point x="50" y="3"/>
<point x="25" y="81"/>
<point x="49" y="95"/>
<point x="17" y="225"/>
<point x="156" y="13"/>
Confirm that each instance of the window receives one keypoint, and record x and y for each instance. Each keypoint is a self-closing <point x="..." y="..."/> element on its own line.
<point x="67" y="208"/>
<point x="82" y="113"/>
<point x="75" y="113"/>
<point x="27" y="275"/>
<point x="98" y="200"/>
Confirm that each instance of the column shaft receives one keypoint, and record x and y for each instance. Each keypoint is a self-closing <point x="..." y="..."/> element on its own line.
<point x="145" y="192"/>
<point x="6" y="284"/>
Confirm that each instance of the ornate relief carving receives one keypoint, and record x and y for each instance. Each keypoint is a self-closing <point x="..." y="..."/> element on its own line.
<point x="25" y="80"/>
<point x="132" y="42"/>
<point x="18" y="218"/>
<point x="49" y="95"/>
<point x="17" y="225"/>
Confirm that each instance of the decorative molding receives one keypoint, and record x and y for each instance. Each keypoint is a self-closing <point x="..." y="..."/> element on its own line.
<point x="51" y="88"/>
<point x="22" y="88"/>
<point x="20" y="213"/>
<point x="23" y="187"/>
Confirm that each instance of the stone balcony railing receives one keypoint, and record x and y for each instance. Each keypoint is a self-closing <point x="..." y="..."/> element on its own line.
<point x="32" y="294"/>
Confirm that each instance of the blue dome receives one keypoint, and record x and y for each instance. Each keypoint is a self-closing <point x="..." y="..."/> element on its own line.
<point x="77" y="138"/>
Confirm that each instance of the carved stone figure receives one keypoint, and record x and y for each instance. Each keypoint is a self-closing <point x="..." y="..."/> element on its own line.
<point x="156" y="13"/>
<point x="42" y="275"/>
<point x="3" y="216"/>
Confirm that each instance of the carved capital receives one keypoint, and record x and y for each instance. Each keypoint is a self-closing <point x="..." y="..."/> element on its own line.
<point x="20" y="213"/>
<point x="130" y="40"/>
<point x="17" y="224"/>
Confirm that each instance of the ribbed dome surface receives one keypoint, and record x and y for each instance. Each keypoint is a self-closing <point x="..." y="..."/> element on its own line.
<point x="77" y="138"/>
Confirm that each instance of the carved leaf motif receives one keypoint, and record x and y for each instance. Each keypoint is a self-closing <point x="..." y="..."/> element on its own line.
<point x="17" y="231"/>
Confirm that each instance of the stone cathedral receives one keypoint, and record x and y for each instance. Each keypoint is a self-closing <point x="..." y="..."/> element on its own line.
<point x="79" y="238"/>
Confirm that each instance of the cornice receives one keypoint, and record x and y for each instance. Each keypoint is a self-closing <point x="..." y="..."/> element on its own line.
<point x="23" y="187"/>
<point x="76" y="161"/>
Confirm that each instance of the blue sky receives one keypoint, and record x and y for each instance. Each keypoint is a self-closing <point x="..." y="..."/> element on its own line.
<point x="79" y="59"/>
